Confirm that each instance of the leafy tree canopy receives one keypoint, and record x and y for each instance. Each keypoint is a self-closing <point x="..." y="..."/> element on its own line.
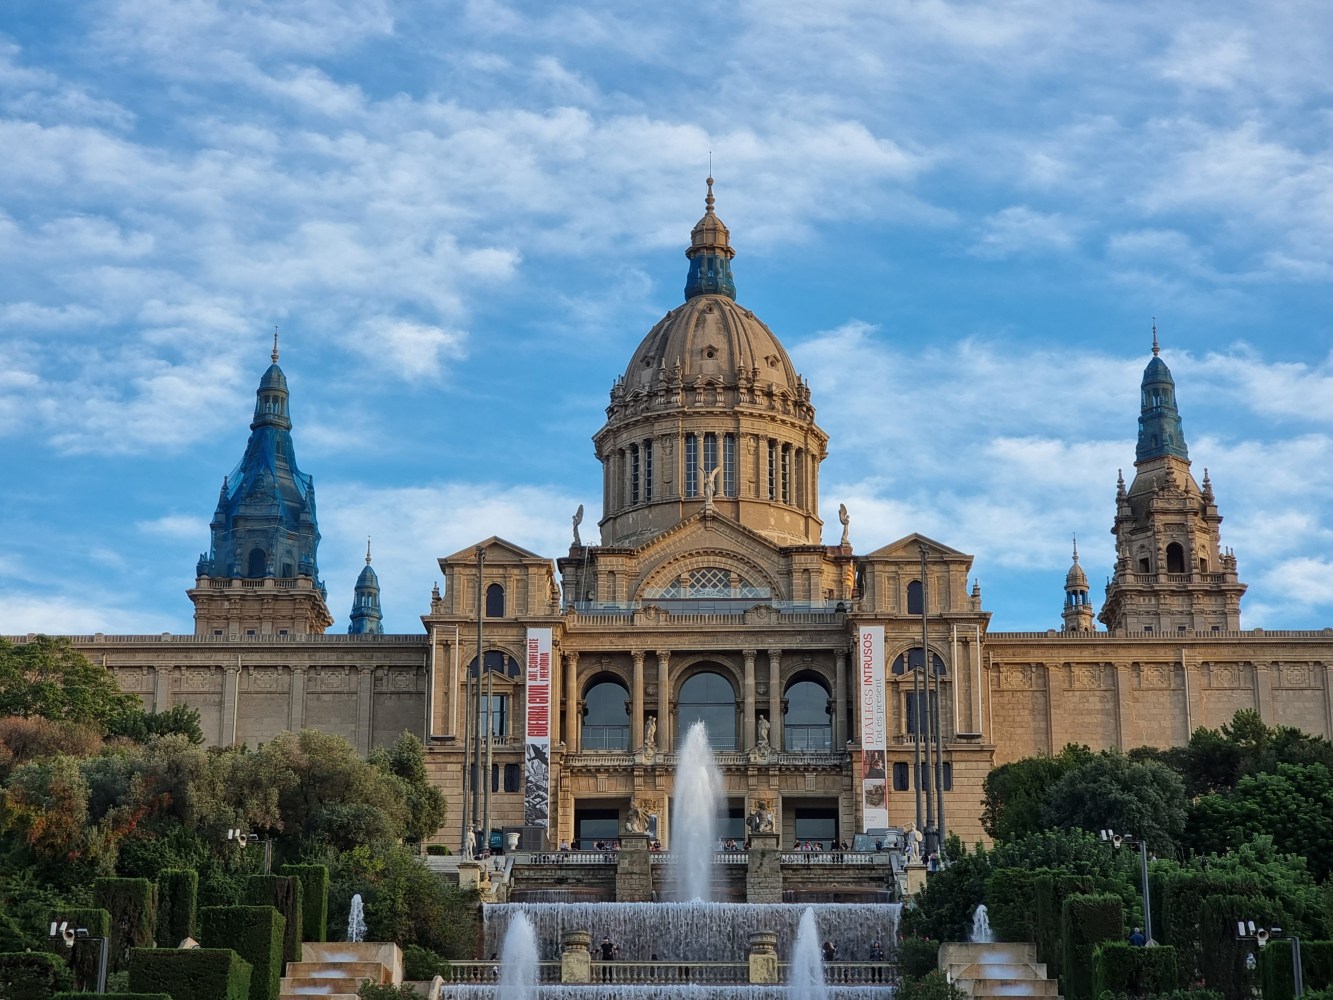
<point x="48" y="678"/>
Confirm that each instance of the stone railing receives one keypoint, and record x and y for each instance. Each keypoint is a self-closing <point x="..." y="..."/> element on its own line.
<point x="804" y="759"/>
<point x="852" y="973"/>
<point x="489" y="972"/>
<point x="670" y="972"/>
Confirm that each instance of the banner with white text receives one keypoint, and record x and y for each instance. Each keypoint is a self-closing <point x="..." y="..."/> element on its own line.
<point x="874" y="726"/>
<point x="537" y="759"/>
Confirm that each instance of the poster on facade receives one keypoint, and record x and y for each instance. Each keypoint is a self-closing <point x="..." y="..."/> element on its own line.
<point x="537" y="755"/>
<point x="874" y="727"/>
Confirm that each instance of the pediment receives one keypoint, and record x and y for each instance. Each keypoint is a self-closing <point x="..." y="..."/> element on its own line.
<point x="712" y="542"/>
<point x="909" y="547"/>
<point x="497" y="549"/>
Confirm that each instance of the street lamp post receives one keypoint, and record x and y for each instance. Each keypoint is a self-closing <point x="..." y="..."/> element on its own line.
<point x="1115" y="840"/>
<point x="1247" y="931"/>
<point x="70" y="935"/>
<point x="239" y="836"/>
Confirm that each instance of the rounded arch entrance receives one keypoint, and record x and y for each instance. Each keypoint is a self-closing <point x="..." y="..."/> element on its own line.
<point x="807" y="713"/>
<point x="707" y="694"/>
<point x="604" y="718"/>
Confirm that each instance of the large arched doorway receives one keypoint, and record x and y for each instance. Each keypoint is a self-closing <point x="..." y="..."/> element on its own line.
<point x="709" y="698"/>
<point x="605" y="717"/>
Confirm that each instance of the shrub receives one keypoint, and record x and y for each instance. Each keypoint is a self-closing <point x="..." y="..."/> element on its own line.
<point x="177" y="906"/>
<point x="284" y="894"/>
<point x="31" y="975"/>
<point x="918" y="957"/>
<point x="438" y="850"/>
<point x="1119" y="967"/>
<point x="255" y="933"/>
<point x="932" y="986"/>
<point x="1085" y="922"/>
<point x="1010" y="902"/>
<point x="196" y="973"/>
<point x="1222" y="956"/>
<point x="132" y="903"/>
<point x="1180" y="909"/>
<point x="111" y="996"/>
<point x="421" y="963"/>
<point x="1275" y="964"/>
<point x="84" y="958"/>
<point x="314" y="899"/>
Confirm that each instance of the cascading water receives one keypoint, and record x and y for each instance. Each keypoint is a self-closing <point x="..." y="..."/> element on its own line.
<point x="694" y="816"/>
<point x="356" y="920"/>
<point x="807" y="963"/>
<point x="981" y="932"/>
<point x="518" y="961"/>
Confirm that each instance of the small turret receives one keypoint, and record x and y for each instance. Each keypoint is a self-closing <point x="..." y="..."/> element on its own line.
<point x="710" y="255"/>
<point x="366" y="616"/>
<point x="1078" y="611"/>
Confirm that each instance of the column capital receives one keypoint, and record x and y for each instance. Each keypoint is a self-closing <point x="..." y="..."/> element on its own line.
<point x="749" y="655"/>
<point x="840" y="657"/>
<point x="663" y="657"/>
<point x="638" y="656"/>
<point x="571" y="658"/>
<point x="774" y="655"/>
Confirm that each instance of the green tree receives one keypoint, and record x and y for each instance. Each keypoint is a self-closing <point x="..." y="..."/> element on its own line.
<point x="406" y="762"/>
<point x="142" y="726"/>
<point x="1109" y="790"/>
<point x="49" y="678"/>
<point x="1016" y="793"/>
<point x="943" y="908"/>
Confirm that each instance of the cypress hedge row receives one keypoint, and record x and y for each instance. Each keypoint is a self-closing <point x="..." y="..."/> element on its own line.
<point x="314" y="899"/>
<point x="196" y="973"/>
<point x="1275" y="967"/>
<point x="255" y="933"/>
<point x="1087" y="921"/>
<point x="32" y="975"/>
<point x="1120" y="967"/>
<point x="111" y="996"/>
<point x="177" y="906"/>
<point x="132" y="903"/>
<point x="84" y="957"/>
<point x="284" y="893"/>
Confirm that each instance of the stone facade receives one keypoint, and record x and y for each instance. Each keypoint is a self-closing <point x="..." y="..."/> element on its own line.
<point x="711" y="595"/>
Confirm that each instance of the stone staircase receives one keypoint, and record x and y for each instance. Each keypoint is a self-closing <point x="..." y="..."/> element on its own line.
<point x="334" y="970"/>
<point x="997" y="971"/>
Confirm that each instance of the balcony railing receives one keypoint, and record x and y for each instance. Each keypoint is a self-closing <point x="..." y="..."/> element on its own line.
<point x="725" y="758"/>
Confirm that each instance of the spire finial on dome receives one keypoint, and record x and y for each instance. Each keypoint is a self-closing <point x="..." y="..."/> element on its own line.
<point x="708" y="198"/>
<point x="1076" y="546"/>
<point x="274" y="355"/>
<point x="367" y="550"/>
<point x="1156" y="349"/>
<point x="710" y="253"/>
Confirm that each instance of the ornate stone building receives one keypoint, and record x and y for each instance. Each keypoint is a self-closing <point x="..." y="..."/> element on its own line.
<point x="711" y="595"/>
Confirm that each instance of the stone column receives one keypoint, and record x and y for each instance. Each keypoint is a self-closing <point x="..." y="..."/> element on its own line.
<point x="664" y="726"/>
<point x="636" y="702"/>
<point x="775" y="699"/>
<point x="557" y="678"/>
<point x="296" y="697"/>
<point x="763" y="876"/>
<point x="230" y="686"/>
<point x="1054" y="692"/>
<point x="855" y="719"/>
<point x="839" y="699"/>
<point x="764" y="958"/>
<point x="572" y="734"/>
<point x="575" y="958"/>
<point x="365" y="692"/>
<point x="747" y="719"/>
<point x="634" y="870"/>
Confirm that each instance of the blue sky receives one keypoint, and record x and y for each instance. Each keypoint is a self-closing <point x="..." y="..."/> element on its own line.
<point x="960" y="219"/>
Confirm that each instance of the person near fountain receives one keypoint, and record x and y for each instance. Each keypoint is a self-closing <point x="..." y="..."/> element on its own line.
<point x="830" y="950"/>
<point x="1137" y="939"/>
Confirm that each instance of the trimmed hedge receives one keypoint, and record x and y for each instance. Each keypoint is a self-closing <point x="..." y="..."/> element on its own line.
<point x="1121" y="967"/>
<point x="1222" y="956"/>
<point x="177" y="906"/>
<point x="314" y="899"/>
<point x="1085" y="922"/>
<point x="195" y="973"/>
<point x="284" y="894"/>
<point x="84" y="957"/>
<point x="1011" y="902"/>
<point x="255" y="933"/>
<point x="32" y="975"/>
<point x="132" y="903"/>
<point x="111" y="996"/>
<point x="1275" y="967"/>
<point x="1180" y="908"/>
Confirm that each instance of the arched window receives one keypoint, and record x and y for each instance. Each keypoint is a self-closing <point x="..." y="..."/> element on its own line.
<point x="914" y="597"/>
<point x="911" y="660"/>
<point x="708" y="698"/>
<point x="1175" y="558"/>
<point x="258" y="563"/>
<point x="495" y="601"/>
<point x="806" y="722"/>
<point x="605" y="717"/>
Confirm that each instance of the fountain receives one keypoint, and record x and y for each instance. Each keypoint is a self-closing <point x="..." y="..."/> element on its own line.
<point x="356" y="920"/>
<point x="694" y="819"/>
<point x="981" y="932"/>
<point x="807" y="964"/>
<point x="518" y="961"/>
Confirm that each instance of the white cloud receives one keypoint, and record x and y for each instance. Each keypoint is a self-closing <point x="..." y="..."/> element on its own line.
<point x="1019" y="229"/>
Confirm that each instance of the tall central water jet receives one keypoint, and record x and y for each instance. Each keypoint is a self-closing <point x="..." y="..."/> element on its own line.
<point x="518" y="960"/>
<point x="807" y="962"/>
<point x="694" y="819"/>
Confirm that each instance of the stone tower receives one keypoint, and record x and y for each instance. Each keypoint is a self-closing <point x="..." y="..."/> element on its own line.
<point x="366" y="616"/>
<point x="1171" y="574"/>
<point x="1078" y="609"/>
<point x="260" y="575"/>
<point x="710" y="415"/>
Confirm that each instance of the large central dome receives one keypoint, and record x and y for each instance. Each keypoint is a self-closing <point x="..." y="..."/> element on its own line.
<point x="710" y="401"/>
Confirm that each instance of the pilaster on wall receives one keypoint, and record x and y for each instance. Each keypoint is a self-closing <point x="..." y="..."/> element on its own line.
<point x="365" y="692"/>
<point x="297" y="701"/>
<point x="1263" y="692"/>
<point x="230" y="692"/>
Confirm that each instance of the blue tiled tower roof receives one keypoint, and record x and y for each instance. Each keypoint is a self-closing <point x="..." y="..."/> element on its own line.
<point x="367" y="618"/>
<point x="265" y="523"/>
<point x="1160" y="430"/>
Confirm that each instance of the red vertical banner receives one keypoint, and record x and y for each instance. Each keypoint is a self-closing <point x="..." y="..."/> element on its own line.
<point x="537" y="756"/>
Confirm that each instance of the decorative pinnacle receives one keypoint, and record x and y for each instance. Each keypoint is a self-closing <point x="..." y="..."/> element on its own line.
<point x="367" y="550"/>
<point x="708" y="199"/>
<point x="1075" y="546"/>
<point x="1156" y="350"/>
<point x="274" y="355"/>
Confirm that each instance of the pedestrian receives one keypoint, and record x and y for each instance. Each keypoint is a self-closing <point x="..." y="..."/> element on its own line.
<point x="830" y="951"/>
<point x="608" y="954"/>
<point x="1137" y="939"/>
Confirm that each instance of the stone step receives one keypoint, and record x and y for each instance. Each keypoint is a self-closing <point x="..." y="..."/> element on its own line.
<point x="322" y="996"/>
<point x="998" y="970"/>
<point x="977" y="988"/>
<point x="374" y="971"/>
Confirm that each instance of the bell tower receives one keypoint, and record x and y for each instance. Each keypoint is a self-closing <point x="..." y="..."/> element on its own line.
<point x="1171" y="573"/>
<point x="260" y="576"/>
<point x="1078" y="609"/>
